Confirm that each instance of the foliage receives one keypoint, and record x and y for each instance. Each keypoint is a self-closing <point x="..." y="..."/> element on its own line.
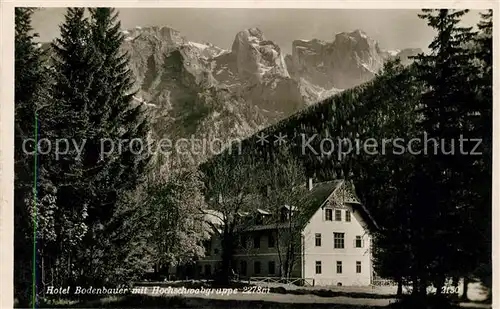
<point x="30" y="95"/>
<point x="284" y="178"/>
<point x="105" y="217"/>
<point x="427" y="204"/>
<point x="172" y="212"/>
<point x="230" y="188"/>
<point x="447" y="244"/>
<point x="78" y="194"/>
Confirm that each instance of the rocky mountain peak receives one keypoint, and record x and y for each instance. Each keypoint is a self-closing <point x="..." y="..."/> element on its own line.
<point x="164" y="34"/>
<point x="254" y="35"/>
<point x="256" y="57"/>
<point x="349" y="60"/>
<point x="191" y="88"/>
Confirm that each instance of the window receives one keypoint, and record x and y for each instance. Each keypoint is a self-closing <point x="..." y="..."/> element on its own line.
<point x="318" y="267"/>
<point x="358" y="267"/>
<point x="208" y="269"/>
<point x="259" y="220"/>
<point x="338" y="215"/>
<point x="216" y="251"/>
<point x="339" y="267"/>
<point x="328" y="214"/>
<point x="270" y="240"/>
<point x="338" y="240"/>
<point x="271" y="266"/>
<point x="284" y="214"/>
<point x="243" y="241"/>
<point x="359" y="242"/>
<point x="243" y="268"/>
<point x="256" y="242"/>
<point x="208" y="247"/>
<point x="347" y="216"/>
<point x="317" y="239"/>
<point x="256" y="267"/>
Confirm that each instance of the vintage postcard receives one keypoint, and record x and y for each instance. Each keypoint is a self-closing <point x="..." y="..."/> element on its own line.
<point x="249" y="154"/>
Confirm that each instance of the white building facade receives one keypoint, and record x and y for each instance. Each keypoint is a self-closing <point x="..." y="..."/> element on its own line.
<point x="334" y="246"/>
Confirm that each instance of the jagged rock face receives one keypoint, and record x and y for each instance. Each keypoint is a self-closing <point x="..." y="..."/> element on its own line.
<point x="355" y="59"/>
<point x="201" y="90"/>
<point x="177" y="84"/>
<point x="255" y="69"/>
<point x="185" y="80"/>
<point x="257" y="57"/>
<point x="351" y="59"/>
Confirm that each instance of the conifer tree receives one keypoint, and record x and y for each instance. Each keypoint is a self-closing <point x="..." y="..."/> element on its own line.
<point x="441" y="248"/>
<point x="29" y="95"/>
<point x="66" y="117"/>
<point x="112" y="118"/>
<point x="479" y="170"/>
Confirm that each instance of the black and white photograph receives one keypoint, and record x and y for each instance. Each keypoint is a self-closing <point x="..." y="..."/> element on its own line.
<point x="241" y="157"/>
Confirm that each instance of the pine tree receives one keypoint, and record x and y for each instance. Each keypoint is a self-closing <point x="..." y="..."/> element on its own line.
<point x="448" y="106"/>
<point x="111" y="117"/>
<point x="30" y="95"/>
<point x="480" y="169"/>
<point x="67" y="118"/>
<point x="388" y="189"/>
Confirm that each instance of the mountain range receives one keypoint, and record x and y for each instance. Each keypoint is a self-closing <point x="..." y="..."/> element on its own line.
<point x="199" y="89"/>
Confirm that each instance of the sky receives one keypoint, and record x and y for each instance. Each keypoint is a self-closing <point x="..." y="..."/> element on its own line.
<point x="393" y="29"/>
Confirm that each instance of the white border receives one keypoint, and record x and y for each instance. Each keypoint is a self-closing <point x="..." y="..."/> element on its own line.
<point x="7" y="99"/>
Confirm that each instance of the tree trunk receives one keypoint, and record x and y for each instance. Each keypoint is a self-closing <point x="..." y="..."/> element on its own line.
<point x="414" y="285"/>
<point x="22" y="287"/>
<point x="423" y="287"/>
<point x="465" y="289"/>
<point x="156" y="269"/>
<point x="439" y="285"/>
<point x="227" y="256"/>
<point x="400" y="287"/>
<point x="42" y="275"/>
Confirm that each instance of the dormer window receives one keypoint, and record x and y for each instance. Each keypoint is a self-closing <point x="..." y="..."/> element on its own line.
<point x="347" y="216"/>
<point x="259" y="219"/>
<point x="338" y="215"/>
<point x="284" y="215"/>
<point x="328" y="214"/>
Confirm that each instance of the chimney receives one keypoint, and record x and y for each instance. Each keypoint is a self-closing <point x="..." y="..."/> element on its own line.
<point x="310" y="184"/>
<point x="268" y="190"/>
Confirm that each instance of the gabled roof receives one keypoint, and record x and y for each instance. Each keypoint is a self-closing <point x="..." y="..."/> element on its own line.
<point x="321" y="193"/>
<point x="213" y="216"/>
<point x="312" y="201"/>
<point x="317" y="196"/>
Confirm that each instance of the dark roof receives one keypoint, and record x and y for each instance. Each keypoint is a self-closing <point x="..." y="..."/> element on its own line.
<point x="314" y="200"/>
<point x="317" y="197"/>
<point x="366" y="215"/>
<point x="319" y="194"/>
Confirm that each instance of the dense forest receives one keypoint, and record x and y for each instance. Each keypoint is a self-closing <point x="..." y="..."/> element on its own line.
<point x="433" y="203"/>
<point x="105" y="220"/>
